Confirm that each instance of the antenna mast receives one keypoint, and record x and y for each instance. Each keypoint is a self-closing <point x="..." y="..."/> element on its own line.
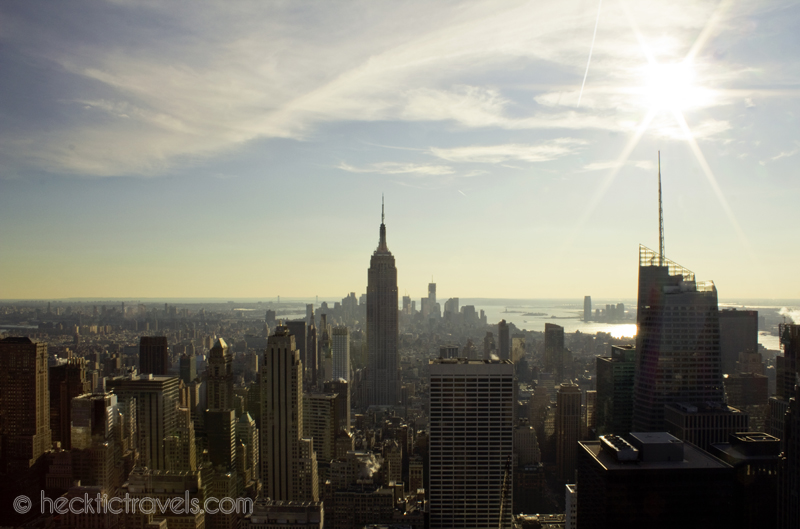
<point x="382" y="201"/>
<point x="660" y="218"/>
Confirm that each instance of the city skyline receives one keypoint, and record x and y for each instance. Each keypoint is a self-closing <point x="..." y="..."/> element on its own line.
<point x="164" y="149"/>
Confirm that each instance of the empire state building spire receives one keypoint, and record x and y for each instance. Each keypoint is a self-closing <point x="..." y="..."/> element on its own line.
<point x="382" y="247"/>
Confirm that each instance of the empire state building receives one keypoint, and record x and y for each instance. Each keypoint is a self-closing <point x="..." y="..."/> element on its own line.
<point x="382" y="369"/>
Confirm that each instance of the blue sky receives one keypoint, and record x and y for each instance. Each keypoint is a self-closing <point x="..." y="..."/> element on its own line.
<point x="157" y="149"/>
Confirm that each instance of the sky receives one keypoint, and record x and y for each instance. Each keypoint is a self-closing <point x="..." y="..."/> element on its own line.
<point x="241" y="149"/>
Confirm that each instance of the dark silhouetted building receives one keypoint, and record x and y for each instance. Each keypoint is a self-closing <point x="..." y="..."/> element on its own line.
<point x="504" y="339"/>
<point x="568" y="430"/>
<point x="67" y="380"/>
<point x="738" y="333"/>
<point x="614" y="405"/>
<point x="755" y="458"/>
<point x="677" y="346"/>
<point x="655" y="481"/>
<point x="153" y="355"/>
<point x="24" y="403"/>
<point x="554" y="350"/>
<point x="383" y="376"/>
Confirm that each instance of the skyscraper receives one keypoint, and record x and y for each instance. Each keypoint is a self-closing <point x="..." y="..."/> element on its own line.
<point x="157" y="399"/>
<point x="678" y="354"/>
<point x="587" y="308"/>
<point x="383" y="380"/>
<point x="554" y="350"/>
<point x="341" y="353"/>
<point x="67" y="380"/>
<point x="288" y="465"/>
<point x="471" y="438"/>
<point x="503" y="337"/>
<point x="219" y="376"/>
<point x="153" y="355"/>
<point x="24" y="402"/>
<point x="615" y="390"/>
<point x="568" y="431"/>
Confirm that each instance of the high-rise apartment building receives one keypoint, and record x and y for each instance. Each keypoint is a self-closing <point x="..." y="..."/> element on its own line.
<point x="503" y="337"/>
<point x="568" y="430"/>
<point x="678" y="351"/>
<point x="24" y="402"/>
<point x="383" y="376"/>
<point x="288" y="465"/>
<point x="153" y="355"/>
<point x="614" y="407"/>
<point x="471" y="440"/>
<point x="340" y="345"/>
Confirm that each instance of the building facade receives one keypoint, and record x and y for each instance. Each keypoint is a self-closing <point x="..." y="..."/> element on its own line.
<point x="677" y="346"/>
<point x="471" y="440"/>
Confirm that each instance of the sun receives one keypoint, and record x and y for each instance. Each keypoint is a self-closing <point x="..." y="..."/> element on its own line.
<point x="671" y="87"/>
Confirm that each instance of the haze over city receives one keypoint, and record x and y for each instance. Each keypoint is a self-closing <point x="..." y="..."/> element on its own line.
<point x="160" y="150"/>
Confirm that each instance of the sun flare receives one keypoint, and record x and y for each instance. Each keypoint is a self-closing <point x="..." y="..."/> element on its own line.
<point x="671" y="87"/>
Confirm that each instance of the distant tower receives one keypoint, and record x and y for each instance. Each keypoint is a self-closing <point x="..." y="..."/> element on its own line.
<point x="568" y="430"/>
<point x="383" y="378"/>
<point x="587" y="308"/>
<point x="488" y="345"/>
<point x="341" y="353"/>
<point x="153" y="355"/>
<point x="554" y="350"/>
<point x="288" y="462"/>
<point x="219" y="375"/>
<point x="503" y="337"/>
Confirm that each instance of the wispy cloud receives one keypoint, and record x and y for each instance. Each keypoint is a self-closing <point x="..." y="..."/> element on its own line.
<point x="614" y="164"/>
<point x="395" y="168"/>
<point x="543" y="152"/>
<point x="165" y="82"/>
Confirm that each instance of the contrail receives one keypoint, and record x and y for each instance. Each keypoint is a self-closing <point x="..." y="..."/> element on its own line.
<point x="591" y="48"/>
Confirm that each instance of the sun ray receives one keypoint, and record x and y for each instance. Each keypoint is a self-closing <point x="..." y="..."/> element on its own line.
<point x="712" y="180"/>
<point x="708" y="29"/>
<point x="606" y="183"/>
<point x="648" y="54"/>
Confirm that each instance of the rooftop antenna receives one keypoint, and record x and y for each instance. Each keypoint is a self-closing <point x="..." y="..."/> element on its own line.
<point x="660" y="218"/>
<point x="382" y="207"/>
